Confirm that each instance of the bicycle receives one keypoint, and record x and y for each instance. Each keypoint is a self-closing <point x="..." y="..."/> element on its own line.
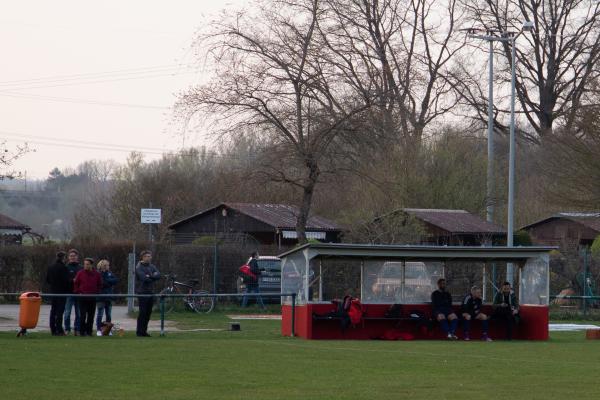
<point x="197" y="304"/>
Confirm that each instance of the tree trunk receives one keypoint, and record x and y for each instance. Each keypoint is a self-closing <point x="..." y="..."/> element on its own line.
<point x="307" y="195"/>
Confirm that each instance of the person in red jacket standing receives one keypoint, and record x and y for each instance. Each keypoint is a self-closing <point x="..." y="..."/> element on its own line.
<point x="87" y="281"/>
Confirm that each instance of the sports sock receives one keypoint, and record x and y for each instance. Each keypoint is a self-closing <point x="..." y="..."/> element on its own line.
<point x="466" y="326"/>
<point x="485" y="324"/>
<point x="453" y="325"/>
<point x="444" y="324"/>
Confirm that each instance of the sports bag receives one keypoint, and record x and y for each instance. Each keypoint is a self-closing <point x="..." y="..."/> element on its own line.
<point x="247" y="274"/>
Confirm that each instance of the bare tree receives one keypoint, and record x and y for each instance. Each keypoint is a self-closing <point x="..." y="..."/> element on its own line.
<point x="271" y="75"/>
<point x="555" y="63"/>
<point x="397" y="52"/>
<point x="572" y="166"/>
<point x="7" y="159"/>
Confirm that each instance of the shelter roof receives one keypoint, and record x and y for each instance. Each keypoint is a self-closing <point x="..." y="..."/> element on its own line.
<point x="441" y="253"/>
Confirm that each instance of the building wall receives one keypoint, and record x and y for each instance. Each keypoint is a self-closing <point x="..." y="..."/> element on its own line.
<point x="214" y="220"/>
<point x="234" y="223"/>
<point x="563" y="233"/>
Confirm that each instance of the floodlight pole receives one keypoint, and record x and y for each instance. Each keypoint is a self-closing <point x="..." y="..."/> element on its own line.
<point x="511" y="162"/>
<point x="510" y="37"/>
<point x="490" y="144"/>
<point x="490" y="37"/>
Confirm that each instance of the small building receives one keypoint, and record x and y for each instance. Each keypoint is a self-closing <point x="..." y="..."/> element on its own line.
<point x="265" y="224"/>
<point x="567" y="230"/>
<point x="452" y="227"/>
<point x="11" y="231"/>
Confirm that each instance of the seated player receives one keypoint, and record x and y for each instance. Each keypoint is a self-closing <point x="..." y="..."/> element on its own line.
<point x="506" y="308"/>
<point x="471" y="310"/>
<point x="441" y="302"/>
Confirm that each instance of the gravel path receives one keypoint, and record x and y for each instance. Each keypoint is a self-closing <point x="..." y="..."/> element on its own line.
<point x="9" y="319"/>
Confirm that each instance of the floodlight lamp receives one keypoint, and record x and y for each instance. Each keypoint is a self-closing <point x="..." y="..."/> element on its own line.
<point x="528" y="26"/>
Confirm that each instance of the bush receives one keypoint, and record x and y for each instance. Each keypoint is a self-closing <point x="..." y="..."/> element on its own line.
<point x="522" y="238"/>
<point x="596" y="248"/>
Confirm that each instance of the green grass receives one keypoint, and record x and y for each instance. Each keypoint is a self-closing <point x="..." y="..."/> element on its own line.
<point x="257" y="363"/>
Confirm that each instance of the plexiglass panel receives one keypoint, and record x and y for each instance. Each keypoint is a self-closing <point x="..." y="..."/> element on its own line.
<point x="382" y="282"/>
<point x="420" y="279"/>
<point x="534" y="281"/>
<point x="294" y="278"/>
<point x="390" y="282"/>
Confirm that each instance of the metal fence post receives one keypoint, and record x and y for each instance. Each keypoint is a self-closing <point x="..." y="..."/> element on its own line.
<point x="584" y="280"/>
<point x="130" y="281"/>
<point x="215" y="268"/>
<point x="162" y="315"/>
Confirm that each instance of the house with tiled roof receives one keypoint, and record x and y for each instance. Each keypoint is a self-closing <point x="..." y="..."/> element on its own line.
<point x="11" y="231"/>
<point x="566" y="229"/>
<point x="265" y="224"/>
<point x="452" y="227"/>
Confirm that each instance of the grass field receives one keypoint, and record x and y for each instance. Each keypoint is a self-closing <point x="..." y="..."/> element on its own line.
<point x="257" y="363"/>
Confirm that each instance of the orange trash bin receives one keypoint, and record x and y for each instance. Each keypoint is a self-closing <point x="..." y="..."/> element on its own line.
<point x="29" y="311"/>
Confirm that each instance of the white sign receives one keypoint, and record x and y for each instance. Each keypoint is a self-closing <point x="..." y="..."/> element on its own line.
<point x="151" y="215"/>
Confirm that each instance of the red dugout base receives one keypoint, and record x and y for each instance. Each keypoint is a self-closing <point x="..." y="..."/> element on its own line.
<point x="533" y="325"/>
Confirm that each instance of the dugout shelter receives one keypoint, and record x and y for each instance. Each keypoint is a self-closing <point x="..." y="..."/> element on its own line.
<point x="384" y="275"/>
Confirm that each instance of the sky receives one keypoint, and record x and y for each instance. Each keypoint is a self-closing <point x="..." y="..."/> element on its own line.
<point x="83" y="80"/>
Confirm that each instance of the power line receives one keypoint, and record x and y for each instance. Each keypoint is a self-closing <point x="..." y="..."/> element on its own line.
<point x="25" y="137"/>
<point x="91" y="75"/>
<point x="89" y="147"/>
<point x="81" y="144"/>
<point x="77" y="101"/>
<point x="75" y="83"/>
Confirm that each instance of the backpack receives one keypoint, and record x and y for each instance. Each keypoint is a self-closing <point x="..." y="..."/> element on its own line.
<point x="355" y="312"/>
<point x="246" y="274"/>
<point x="395" y="311"/>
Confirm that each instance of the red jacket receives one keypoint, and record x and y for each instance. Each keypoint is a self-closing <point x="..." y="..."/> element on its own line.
<point x="88" y="282"/>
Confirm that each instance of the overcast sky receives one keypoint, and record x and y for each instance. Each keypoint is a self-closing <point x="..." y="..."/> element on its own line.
<point x="79" y="77"/>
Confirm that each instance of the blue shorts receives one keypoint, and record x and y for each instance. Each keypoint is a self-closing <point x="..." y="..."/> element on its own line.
<point x="445" y="311"/>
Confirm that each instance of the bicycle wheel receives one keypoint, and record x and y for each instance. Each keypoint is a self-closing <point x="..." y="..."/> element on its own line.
<point x="169" y="301"/>
<point x="201" y="304"/>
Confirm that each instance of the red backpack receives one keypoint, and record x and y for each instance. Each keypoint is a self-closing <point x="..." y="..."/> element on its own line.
<point x="246" y="272"/>
<point x="355" y="311"/>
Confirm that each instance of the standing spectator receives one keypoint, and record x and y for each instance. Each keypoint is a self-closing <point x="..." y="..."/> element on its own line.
<point x="145" y="276"/>
<point x="252" y="282"/>
<point x="506" y="308"/>
<point x="441" y="301"/>
<point x="109" y="280"/>
<point x="57" y="278"/>
<point x="72" y="303"/>
<point x="87" y="281"/>
<point x="471" y="310"/>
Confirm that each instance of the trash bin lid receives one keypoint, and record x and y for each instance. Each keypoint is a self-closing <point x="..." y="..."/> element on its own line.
<point x="29" y="294"/>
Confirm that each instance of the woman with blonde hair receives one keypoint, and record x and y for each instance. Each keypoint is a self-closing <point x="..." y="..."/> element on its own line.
<point x="109" y="280"/>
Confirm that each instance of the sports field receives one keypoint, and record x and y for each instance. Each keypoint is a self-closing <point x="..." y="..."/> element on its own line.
<point x="257" y="363"/>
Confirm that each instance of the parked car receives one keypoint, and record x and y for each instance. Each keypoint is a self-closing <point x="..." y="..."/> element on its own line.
<point x="270" y="278"/>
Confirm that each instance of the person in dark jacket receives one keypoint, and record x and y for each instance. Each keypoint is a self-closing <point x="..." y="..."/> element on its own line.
<point x="57" y="278"/>
<point x="441" y="302"/>
<point x="72" y="303"/>
<point x="109" y="280"/>
<point x="145" y="276"/>
<point x="252" y="283"/>
<point x="87" y="281"/>
<point x="506" y="308"/>
<point x="471" y="310"/>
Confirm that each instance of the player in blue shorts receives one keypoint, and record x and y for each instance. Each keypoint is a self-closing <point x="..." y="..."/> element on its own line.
<point x="441" y="302"/>
<point x="471" y="310"/>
